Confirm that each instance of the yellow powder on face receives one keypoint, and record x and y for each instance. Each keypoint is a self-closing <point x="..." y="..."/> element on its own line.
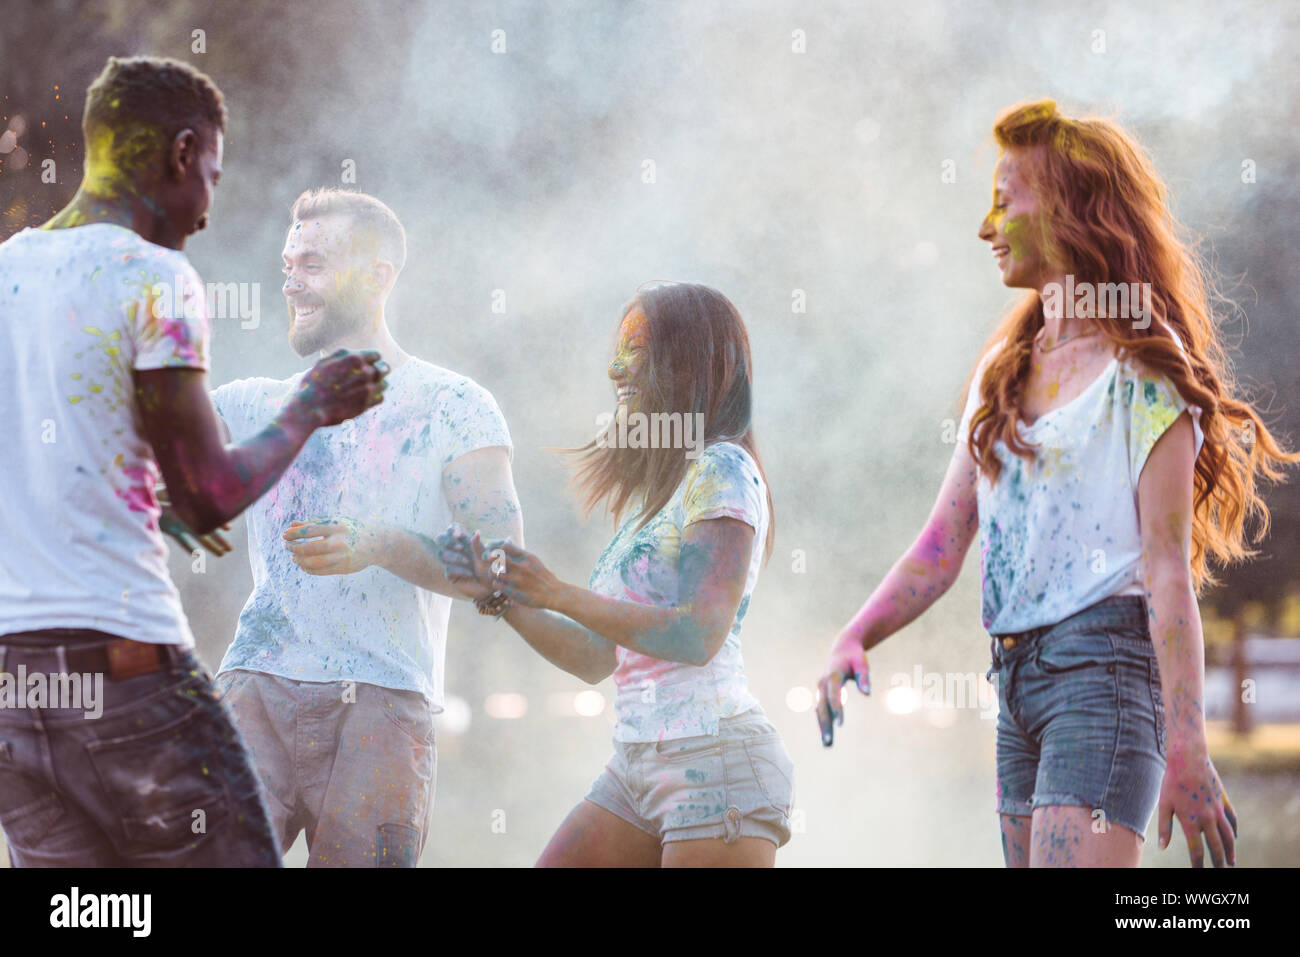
<point x="634" y="334"/>
<point x="348" y="280"/>
<point x="636" y="327"/>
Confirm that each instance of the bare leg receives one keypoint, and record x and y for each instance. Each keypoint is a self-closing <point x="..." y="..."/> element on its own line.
<point x="593" y="837"/>
<point x="1073" y="837"/>
<point x="714" y="852"/>
<point x="1015" y="839"/>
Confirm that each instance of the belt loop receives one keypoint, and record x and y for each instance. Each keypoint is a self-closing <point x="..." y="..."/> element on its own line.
<point x="61" y="655"/>
<point x="4" y="650"/>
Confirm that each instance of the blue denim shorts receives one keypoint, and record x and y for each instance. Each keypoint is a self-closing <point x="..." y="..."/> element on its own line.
<point x="733" y="784"/>
<point x="1081" y="718"/>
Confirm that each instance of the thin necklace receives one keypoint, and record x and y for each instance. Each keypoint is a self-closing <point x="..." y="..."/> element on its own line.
<point x="1060" y="342"/>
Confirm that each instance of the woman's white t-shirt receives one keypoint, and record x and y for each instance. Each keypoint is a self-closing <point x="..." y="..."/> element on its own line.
<point x="1061" y="533"/>
<point x="660" y="699"/>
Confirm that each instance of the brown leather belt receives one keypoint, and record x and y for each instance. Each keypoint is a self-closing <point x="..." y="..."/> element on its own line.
<point x="120" y="658"/>
<point x="123" y="658"/>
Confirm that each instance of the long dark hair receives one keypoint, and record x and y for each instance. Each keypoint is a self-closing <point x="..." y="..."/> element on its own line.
<point x="699" y="362"/>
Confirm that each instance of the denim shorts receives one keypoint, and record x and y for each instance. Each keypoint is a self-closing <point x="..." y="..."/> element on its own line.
<point x="1081" y="718"/>
<point x="737" y="783"/>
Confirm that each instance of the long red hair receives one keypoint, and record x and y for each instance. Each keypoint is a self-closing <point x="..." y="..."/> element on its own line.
<point x="1106" y="219"/>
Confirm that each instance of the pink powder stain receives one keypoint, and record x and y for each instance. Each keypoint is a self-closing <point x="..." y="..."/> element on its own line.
<point x="139" y="495"/>
<point x="635" y="669"/>
<point x="382" y="451"/>
<point x="176" y="330"/>
<point x="638" y="570"/>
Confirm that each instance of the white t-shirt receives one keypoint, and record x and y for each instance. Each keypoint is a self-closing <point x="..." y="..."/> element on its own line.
<point x="667" y="699"/>
<point x="1062" y="533"/>
<point x="385" y="466"/>
<point x="78" y="520"/>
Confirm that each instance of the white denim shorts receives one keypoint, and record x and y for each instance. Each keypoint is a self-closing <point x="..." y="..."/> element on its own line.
<point x="733" y="784"/>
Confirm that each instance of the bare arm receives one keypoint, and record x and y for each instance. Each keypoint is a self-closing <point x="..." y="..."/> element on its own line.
<point x="1192" y="790"/>
<point x="924" y="572"/>
<point x="930" y="566"/>
<point x="208" y="483"/>
<point x="170" y="524"/>
<point x="577" y="629"/>
<point x="481" y="491"/>
<point x="564" y="643"/>
<point x="560" y="640"/>
<point x="712" y="567"/>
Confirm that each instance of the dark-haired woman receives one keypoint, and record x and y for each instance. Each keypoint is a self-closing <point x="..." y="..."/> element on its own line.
<point x="698" y="777"/>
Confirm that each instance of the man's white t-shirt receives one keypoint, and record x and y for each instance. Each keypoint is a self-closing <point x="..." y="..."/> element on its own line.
<point x="80" y="310"/>
<point x="660" y="699"/>
<point x="385" y="467"/>
<point x="1061" y="533"/>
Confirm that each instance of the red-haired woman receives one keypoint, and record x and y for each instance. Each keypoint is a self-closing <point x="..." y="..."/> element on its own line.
<point x="698" y="775"/>
<point x="1098" y="502"/>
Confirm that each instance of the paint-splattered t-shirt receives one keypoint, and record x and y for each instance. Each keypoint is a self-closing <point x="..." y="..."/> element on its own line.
<point x="80" y="310"/>
<point x="385" y="467"/>
<point x="666" y="699"/>
<point x="1061" y="533"/>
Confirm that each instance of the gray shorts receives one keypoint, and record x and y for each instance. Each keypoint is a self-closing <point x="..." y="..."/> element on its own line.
<point x="352" y="764"/>
<point x="737" y="783"/>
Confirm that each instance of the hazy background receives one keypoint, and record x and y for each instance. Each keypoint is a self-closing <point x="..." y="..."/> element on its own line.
<point x="773" y="171"/>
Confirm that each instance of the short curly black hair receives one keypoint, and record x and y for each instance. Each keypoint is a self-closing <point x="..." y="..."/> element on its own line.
<point x="146" y="101"/>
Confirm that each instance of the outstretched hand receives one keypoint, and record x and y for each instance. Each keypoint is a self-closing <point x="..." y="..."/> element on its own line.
<point x="461" y="556"/>
<point x="499" y="565"/>
<point x="332" y="546"/>
<point x="847" y="662"/>
<point x="342" y="386"/>
<point x="521" y="574"/>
